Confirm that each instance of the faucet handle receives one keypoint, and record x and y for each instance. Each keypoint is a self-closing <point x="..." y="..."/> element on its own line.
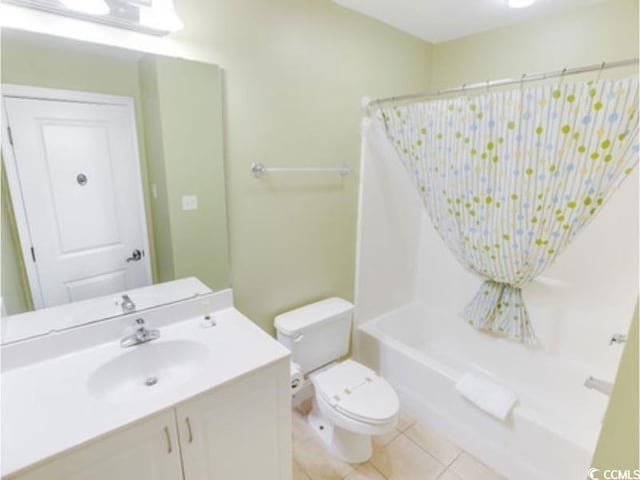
<point x="127" y="304"/>
<point x="617" y="338"/>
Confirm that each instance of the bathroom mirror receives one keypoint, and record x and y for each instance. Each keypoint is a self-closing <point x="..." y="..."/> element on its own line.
<point x="112" y="175"/>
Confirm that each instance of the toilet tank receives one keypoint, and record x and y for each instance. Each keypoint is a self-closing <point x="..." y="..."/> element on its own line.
<point x="316" y="334"/>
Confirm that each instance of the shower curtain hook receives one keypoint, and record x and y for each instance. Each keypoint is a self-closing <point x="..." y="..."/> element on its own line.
<point x="562" y="76"/>
<point x="365" y="103"/>
<point x="488" y="85"/>
<point x="521" y="91"/>
<point x="600" y="71"/>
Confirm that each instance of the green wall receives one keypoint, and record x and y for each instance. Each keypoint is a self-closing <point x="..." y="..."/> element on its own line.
<point x="294" y="75"/>
<point x="590" y="35"/>
<point x="618" y="447"/>
<point x="156" y="165"/>
<point x="182" y="104"/>
<point x="15" y="291"/>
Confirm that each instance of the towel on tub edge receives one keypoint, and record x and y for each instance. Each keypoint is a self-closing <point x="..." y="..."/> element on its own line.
<point x="487" y="395"/>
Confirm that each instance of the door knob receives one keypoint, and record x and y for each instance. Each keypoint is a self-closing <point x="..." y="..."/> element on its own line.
<point x="136" y="256"/>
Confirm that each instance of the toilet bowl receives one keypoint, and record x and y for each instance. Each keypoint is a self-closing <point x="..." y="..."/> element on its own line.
<point x="350" y="401"/>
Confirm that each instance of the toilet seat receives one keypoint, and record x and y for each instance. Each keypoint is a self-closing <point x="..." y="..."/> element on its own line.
<point x="358" y="393"/>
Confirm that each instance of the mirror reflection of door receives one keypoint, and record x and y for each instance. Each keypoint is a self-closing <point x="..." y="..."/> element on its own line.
<point x="74" y="176"/>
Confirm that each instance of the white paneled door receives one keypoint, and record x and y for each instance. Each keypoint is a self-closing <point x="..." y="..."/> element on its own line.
<point x="76" y="188"/>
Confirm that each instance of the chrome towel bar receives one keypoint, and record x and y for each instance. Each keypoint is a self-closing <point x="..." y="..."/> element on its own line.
<point x="259" y="170"/>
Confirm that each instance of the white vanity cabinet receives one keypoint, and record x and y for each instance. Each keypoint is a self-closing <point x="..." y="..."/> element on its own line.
<point x="240" y="430"/>
<point x="147" y="450"/>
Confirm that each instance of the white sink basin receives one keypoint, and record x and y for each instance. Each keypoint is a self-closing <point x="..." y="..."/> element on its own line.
<point x="148" y="369"/>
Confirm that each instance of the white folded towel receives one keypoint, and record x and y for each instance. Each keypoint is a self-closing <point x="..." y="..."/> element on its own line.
<point x="487" y="395"/>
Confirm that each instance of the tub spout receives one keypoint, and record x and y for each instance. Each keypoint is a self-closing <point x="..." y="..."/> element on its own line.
<point x="599" y="385"/>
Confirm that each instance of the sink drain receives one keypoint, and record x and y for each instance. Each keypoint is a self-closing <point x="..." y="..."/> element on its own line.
<point x="151" y="381"/>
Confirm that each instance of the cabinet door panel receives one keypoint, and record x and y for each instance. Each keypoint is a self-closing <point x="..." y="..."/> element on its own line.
<point x="139" y="452"/>
<point x="241" y="431"/>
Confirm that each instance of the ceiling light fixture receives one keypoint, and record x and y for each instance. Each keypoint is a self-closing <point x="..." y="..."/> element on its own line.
<point x="151" y="17"/>
<point x="90" y="7"/>
<point x="161" y="15"/>
<point x="520" y="3"/>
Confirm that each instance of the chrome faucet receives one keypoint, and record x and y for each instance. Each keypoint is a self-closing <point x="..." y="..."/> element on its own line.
<point x="127" y="304"/>
<point x="141" y="335"/>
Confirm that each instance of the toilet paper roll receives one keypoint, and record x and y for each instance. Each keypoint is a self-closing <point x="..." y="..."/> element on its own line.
<point x="297" y="377"/>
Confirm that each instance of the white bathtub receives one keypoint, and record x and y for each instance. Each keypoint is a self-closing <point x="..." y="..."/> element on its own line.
<point x="553" y="429"/>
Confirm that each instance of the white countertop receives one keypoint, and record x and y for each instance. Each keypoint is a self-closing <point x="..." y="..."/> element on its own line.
<point x="70" y="315"/>
<point x="47" y="407"/>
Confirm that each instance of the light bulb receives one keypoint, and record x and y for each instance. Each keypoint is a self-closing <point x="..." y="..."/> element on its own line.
<point x="90" y="7"/>
<point x="161" y="16"/>
<point x="520" y="3"/>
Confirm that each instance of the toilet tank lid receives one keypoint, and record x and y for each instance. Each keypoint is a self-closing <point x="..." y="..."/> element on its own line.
<point x="294" y="321"/>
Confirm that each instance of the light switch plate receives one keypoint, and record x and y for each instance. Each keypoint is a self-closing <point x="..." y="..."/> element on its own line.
<point x="189" y="202"/>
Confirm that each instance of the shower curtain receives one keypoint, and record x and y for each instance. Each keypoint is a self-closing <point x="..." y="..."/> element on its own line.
<point x="509" y="178"/>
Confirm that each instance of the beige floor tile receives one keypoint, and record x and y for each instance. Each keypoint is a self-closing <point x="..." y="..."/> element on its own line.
<point x="469" y="468"/>
<point x="404" y="460"/>
<point x="438" y="446"/>
<point x="304" y="407"/>
<point x="380" y="441"/>
<point x="366" y="471"/>
<point x="449" y="475"/>
<point x="299" y="473"/>
<point x="301" y="428"/>
<point x="405" y="420"/>
<point x="316" y="460"/>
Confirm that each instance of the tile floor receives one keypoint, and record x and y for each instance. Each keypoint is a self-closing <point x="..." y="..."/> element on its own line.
<point x="411" y="452"/>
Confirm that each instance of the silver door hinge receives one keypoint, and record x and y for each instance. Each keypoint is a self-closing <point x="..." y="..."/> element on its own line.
<point x="33" y="254"/>
<point x="10" y="135"/>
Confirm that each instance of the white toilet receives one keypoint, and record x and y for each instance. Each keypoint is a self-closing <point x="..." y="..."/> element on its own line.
<point x="350" y="401"/>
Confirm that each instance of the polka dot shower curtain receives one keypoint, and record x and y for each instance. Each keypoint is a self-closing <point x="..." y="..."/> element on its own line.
<point x="509" y="178"/>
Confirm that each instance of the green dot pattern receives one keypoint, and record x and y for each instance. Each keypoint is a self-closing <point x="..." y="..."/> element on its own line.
<point x="509" y="178"/>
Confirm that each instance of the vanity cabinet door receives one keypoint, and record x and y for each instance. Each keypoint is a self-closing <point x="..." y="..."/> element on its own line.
<point x="239" y="431"/>
<point x="144" y="451"/>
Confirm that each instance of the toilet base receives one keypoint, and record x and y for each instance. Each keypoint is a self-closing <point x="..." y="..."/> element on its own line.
<point x="348" y="446"/>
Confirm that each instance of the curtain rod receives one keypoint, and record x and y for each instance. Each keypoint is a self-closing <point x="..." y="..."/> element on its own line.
<point x="367" y="104"/>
